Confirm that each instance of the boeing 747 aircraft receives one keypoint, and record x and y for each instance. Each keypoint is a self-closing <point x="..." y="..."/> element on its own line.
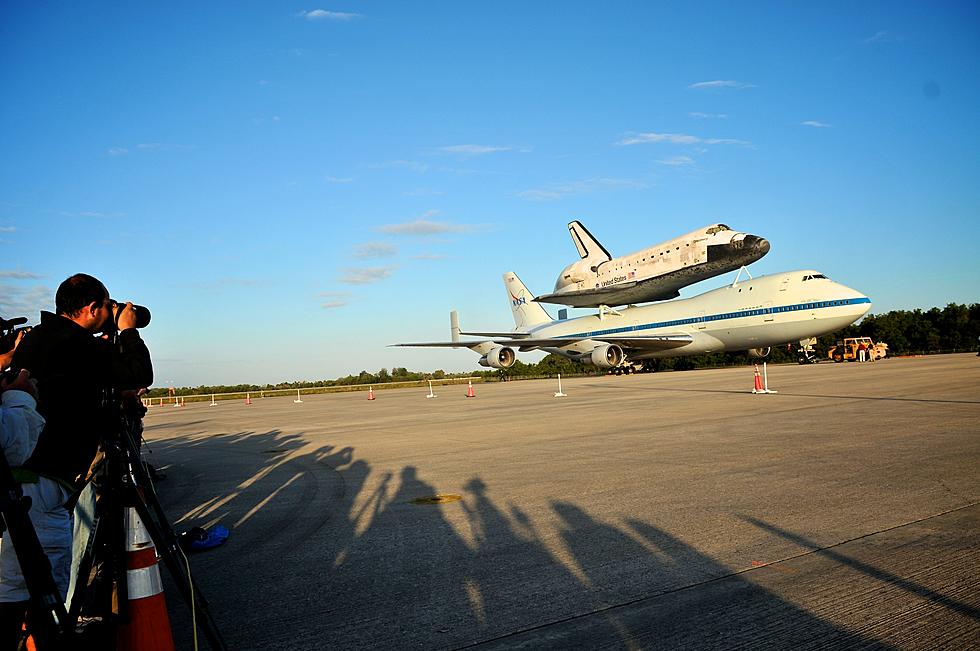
<point x="750" y="315"/>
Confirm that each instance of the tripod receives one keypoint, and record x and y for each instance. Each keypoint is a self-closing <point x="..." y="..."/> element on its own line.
<point x="50" y="626"/>
<point x="126" y="484"/>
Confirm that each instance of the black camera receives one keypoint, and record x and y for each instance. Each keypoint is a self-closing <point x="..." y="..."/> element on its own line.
<point x="142" y="313"/>
<point x="9" y="375"/>
<point x="8" y="332"/>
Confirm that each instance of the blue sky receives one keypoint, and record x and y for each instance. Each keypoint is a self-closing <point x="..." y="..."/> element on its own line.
<point x="291" y="187"/>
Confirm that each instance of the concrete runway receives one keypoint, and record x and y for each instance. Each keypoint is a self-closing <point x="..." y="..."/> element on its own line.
<point x="672" y="510"/>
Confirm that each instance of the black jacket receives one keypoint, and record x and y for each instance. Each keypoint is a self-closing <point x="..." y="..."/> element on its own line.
<point x="75" y="372"/>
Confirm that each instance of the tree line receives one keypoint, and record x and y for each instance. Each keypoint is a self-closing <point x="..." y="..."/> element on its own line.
<point x="955" y="328"/>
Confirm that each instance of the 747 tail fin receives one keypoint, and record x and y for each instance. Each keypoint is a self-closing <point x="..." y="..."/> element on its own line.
<point x="526" y="312"/>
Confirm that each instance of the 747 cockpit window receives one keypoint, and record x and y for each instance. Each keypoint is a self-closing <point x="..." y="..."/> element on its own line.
<point x="815" y="276"/>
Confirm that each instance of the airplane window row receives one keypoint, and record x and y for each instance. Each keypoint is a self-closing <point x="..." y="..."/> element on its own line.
<point x="811" y="306"/>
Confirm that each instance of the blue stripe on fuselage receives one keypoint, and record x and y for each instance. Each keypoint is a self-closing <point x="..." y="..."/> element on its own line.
<point x="798" y="307"/>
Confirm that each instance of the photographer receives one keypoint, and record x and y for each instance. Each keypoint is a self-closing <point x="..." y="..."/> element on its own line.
<point x="10" y="339"/>
<point x="77" y="374"/>
<point x="20" y="424"/>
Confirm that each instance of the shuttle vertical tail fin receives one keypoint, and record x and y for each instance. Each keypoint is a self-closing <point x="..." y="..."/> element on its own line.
<point x="526" y="312"/>
<point x="587" y="245"/>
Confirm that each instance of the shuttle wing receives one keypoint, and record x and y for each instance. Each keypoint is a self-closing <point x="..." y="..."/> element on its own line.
<point x="613" y="295"/>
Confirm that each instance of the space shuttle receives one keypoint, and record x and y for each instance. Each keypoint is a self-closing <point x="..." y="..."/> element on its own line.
<point x="656" y="273"/>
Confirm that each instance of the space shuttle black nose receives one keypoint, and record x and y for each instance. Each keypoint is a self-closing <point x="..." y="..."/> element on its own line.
<point x="758" y="244"/>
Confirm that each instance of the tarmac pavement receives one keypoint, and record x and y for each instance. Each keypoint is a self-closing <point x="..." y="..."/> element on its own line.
<point x="669" y="510"/>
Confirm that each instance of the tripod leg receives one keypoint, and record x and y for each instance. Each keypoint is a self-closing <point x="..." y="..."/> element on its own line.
<point x="24" y="555"/>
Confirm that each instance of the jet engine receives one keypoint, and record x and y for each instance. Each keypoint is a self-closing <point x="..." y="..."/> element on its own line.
<point x="606" y="356"/>
<point x="499" y="357"/>
<point x="759" y="352"/>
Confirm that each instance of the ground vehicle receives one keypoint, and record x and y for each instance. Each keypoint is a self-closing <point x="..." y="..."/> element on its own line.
<point x="847" y="350"/>
<point x="806" y="353"/>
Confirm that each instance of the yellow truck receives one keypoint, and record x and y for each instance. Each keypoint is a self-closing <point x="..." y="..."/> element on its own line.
<point x="847" y="349"/>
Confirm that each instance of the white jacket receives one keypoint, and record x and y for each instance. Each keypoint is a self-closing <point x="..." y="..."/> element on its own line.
<point x="20" y="425"/>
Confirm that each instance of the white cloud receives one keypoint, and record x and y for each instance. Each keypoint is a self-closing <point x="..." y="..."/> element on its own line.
<point x="815" y="124"/>
<point x="423" y="226"/>
<point x="91" y="214"/>
<point x="677" y="139"/>
<point x="720" y="83"/>
<point x="323" y="14"/>
<point x="337" y="179"/>
<point x="423" y="192"/>
<point x="428" y="256"/>
<point x="20" y="275"/>
<point x="410" y="165"/>
<point x="150" y="147"/>
<point x="374" y="250"/>
<point x="17" y="301"/>
<point x="8" y="229"/>
<point x="540" y="195"/>
<point x="709" y="116"/>
<point x="220" y="284"/>
<point x="366" y="275"/>
<point x="557" y="191"/>
<point x="881" y="36"/>
<point x="473" y="150"/>
<point x="677" y="161"/>
<point x="259" y="121"/>
<point x="335" y="300"/>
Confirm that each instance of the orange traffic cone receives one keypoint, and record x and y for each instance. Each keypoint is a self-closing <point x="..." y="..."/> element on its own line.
<point x="248" y="398"/>
<point x="29" y="642"/>
<point x="147" y="628"/>
<point x="469" y="390"/>
<point x="758" y="381"/>
<point x="371" y="393"/>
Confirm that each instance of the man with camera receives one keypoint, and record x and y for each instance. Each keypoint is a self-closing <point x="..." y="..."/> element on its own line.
<point x="79" y="376"/>
<point x="20" y="424"/>
<point x="9" y="339"/>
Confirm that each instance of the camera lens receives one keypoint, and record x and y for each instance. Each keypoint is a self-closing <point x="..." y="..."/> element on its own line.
<point x="142" y="316"/>
<point x="142" y="313"/>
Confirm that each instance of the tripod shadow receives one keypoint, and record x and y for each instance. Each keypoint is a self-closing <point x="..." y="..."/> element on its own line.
<point x="879" y="574"/>
<point x="327" y="549"/>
